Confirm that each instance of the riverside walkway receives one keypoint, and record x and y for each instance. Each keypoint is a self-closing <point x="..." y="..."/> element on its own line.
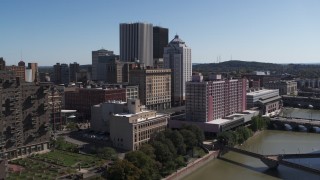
<point x="273" y="161"/>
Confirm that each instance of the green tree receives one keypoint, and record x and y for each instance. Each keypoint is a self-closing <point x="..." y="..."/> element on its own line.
<point x="178" y="141"/>
<point x="148" y="150"/>
<point x="189" y="137"/>
<point x="123" y="170"/>
<point x="197" y="131"/>
<point x="148" y="166"/>
<point x="107" y="153"/>
<point x="162" y="152"/>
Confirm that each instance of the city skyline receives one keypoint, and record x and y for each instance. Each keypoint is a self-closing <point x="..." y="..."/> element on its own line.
<point x="67" y="31"/>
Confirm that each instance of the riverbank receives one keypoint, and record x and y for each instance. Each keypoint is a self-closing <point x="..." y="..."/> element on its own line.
<point x="179" y="174"/>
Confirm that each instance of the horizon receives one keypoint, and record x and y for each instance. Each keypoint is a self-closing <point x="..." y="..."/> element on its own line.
<point x="67" y="31"/>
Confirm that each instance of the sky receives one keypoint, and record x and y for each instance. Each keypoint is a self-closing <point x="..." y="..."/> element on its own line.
<point x="66" y="31"/>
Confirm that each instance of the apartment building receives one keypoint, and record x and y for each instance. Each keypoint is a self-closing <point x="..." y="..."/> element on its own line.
<point x="285" y="87"/>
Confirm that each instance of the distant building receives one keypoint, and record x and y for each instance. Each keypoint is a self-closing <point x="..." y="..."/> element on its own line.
<point x="61" y="73"/>
<point x="81" y="99"/>
<point x="136" y="43"/>
<point x="135" y="125"/>
<point x="177" y="57"/>
<point x="19" y="71"/>
<point x="99" y="60"/>
<point x="74" y="69"/>
<point x="267" y="100"/>
<point x="83" y="76"/>
<point x="34" y="68"/>
<point x="116" y="71"/>
<point x="2" y="64"/>
<point x="24" y="117"/>
<point x="260" y="79"/>
<point x="21" y="63"/>
<point x="154" y="87"/>
<point x="285" y="87"/>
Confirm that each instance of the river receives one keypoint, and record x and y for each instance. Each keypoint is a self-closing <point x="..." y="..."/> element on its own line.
<point x="236" y="166"/>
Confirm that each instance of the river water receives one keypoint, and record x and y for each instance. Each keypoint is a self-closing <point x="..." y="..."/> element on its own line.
<point x="236" y="166"/>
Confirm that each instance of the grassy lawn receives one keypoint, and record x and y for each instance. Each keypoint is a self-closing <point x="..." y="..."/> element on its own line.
<point x="69" y="159"/>
<point x="37" y="170"/>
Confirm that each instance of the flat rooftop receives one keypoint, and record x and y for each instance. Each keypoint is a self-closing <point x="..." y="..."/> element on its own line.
<point x="262" y="91"/>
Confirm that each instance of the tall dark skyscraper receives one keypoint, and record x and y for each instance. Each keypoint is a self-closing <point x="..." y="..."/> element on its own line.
<point x="74" y="69"/>
<point x="136" y="43"/>
<point x="160" y="40"/>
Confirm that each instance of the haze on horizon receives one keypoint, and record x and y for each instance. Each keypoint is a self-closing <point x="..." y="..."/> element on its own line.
<point x="67" y="31"/>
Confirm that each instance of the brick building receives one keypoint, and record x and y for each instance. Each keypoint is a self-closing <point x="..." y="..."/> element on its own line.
<point x="81" y="99"/>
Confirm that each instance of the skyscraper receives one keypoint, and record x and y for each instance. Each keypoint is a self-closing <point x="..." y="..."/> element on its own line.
<point x="177" y="57"/>
<point x="160" y="41"/>
<point x="61" y="73"/>
<point x="2" y="64"/>
<point x="136" y="43"/>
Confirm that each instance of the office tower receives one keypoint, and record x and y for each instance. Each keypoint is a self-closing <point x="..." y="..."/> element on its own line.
<point x="177" y="57"/>
<point x="34" y="68"/>
<point x="2" y="64"/>
<point x="136" y="43"/>
<point x="24" y="118"/>
<point x="210" y="100"/>
<point x="154" y="87"/>
<point x="74" y="69"/>
<point x="99" y="60"/>
<point x="61" y="73"/>
<point x="160" y="41"/>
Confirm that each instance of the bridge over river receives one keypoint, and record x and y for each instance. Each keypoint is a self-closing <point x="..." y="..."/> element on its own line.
<point x="295" y="122"/>
<point x="273" y="161"/>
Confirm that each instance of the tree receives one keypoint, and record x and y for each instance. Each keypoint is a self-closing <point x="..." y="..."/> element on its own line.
<point x="123" y="170"/>
<point x="148" y="150"/>
<point x="189" y="137"/>
<point x="162" y="152"/>
<point x="107" y="153"/>
<point x="197" y="131"/>
<point x="148" y="166"/>
<point x="178" y="141"/>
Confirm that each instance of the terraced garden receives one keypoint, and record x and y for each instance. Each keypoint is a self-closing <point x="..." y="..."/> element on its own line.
<point x="52" y="165"/>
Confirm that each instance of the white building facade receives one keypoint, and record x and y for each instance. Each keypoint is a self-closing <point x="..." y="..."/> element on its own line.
<point x="177" y="57"/>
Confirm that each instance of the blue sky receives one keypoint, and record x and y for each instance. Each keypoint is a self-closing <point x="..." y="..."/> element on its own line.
<point x="280" y="31"/>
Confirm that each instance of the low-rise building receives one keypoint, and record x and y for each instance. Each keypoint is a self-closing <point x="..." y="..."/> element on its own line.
<point x="285" y="87"/>
<point x="134" y="126"/>
<point x="267" y="100"/>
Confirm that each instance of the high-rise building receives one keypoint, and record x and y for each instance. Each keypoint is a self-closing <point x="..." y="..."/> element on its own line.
<point x="61" y="73"/>
<point x="117" y="71"/>
<point x="210" y="100"/>
<point x="99" y="60"/>
<point x="34" y="68"/>
<point x="21" y="63"/>
<point x="136" y="43"/>
<point x="154" y="87"/>
<point x="74" y="69"/>
<point x="177" y="57"/>
<point x="285" y="87"/>
<point x="24" y="117"/>
<point x="160" y="41"/>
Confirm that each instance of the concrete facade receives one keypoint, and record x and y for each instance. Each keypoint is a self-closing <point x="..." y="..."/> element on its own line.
<point x="154" y="87"/>
<point x="129" y="130"/>
<point x="177" y="57"/>
<point x="285" y="87"/>
<point x="99" y="60"/>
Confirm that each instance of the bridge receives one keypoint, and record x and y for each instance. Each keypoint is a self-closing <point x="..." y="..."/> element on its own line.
<point x="273" y="161"/>
<point x="295" y="122"/>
